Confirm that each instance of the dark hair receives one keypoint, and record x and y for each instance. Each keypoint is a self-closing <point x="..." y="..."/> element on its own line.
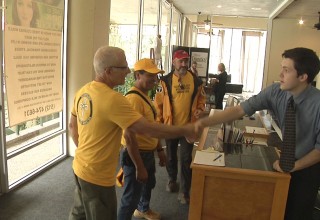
<point x="136" y="72"/>
<point x="305" y="61"/>
<point x="35" y="17"/>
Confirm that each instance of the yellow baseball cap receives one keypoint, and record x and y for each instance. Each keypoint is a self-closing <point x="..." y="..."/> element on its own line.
<point x="147" y="65"/>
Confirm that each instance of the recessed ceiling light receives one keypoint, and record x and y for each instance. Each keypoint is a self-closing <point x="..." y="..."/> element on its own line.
<point x="301" y="21"/>
<point x="219" y="6"/>
<point x="256" y="9"/>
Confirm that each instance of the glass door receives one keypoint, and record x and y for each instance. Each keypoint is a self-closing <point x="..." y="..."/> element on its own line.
<point x="3" y="168"/>
<point x="33" y="131"/>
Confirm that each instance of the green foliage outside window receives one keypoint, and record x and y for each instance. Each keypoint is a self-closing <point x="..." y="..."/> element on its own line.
<point x="129" y="81"/>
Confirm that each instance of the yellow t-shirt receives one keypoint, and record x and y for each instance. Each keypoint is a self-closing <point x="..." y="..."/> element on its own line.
<point x="144" y="142"/>
<point x="181" y="96"/>
<point x="102" y="114"/>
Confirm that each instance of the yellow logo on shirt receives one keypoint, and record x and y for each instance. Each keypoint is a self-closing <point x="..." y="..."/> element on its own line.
<point x="84" y="109"/>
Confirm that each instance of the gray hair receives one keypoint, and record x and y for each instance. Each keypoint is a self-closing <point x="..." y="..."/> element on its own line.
<point x="106" y="56"/>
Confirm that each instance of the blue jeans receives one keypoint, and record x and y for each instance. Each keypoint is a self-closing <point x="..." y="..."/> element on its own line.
<point x="185" y="162"/>
<point x="136" y="195"/>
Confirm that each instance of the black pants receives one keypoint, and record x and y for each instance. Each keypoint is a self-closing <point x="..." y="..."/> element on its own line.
<point x="219" y="95"/>
<point x="303" y="190"/>
<point x="185" y="162"/>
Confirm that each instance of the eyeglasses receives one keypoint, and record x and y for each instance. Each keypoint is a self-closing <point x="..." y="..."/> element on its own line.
<point x="120" y="67"/>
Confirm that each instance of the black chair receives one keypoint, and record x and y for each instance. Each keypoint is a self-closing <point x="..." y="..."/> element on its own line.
<point x="229" y="78"/>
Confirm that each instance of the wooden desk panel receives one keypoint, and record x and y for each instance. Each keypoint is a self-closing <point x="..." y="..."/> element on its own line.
<point x="231" y="193"/>
<point x="236" y="193"/>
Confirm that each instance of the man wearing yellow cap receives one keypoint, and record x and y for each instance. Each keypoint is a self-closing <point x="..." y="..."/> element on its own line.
<point x="136" y="196"/>
<point x="179" y="100"/>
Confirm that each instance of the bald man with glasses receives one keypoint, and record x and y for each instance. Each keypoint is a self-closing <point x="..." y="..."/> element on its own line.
<point x="98" y="117"/>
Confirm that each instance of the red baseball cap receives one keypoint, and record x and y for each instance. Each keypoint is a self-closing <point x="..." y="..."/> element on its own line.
<point x="180" y="54"/>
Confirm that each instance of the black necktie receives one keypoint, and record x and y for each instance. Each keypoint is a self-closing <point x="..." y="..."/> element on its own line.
<point x="287" y="157"/>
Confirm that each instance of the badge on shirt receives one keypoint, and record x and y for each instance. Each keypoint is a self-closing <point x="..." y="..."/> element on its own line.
<point x="84" y="109"/>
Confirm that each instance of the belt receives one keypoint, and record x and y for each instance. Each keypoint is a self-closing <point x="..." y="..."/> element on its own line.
<point x="146" y="151"/>
<point x="141" y="151"/>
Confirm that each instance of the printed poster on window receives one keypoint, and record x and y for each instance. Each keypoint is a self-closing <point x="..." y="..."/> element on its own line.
<point x="32" y="53"/>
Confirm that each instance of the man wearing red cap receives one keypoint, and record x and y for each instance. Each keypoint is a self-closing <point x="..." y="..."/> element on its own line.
<point x="179" y="100"/>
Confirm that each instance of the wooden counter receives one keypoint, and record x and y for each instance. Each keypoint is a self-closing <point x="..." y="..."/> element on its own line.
<point x="246" y="188"/>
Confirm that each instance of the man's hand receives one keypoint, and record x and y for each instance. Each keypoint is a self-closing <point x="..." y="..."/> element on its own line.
<point x="276" y="166"/>
<point x="141" y="174"/>
<point x="162" y="158"/>
<point x="133" y="151"/>
<point x="194" y="132"/>
<point x="73" y="129"/>
<point x="199" y="126"/>
<point x="197" y="113"/>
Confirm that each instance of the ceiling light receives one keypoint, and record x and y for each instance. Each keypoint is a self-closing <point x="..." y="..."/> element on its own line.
<point x="207" y="27"/>
<point x="219" y="6"/>
<point x="301" y="21"/>
<point x="256" y="9"/>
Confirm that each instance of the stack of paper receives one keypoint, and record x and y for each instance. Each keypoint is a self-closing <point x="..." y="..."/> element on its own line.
<point x="209" y="158"/>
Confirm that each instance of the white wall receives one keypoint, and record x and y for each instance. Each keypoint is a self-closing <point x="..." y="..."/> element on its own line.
<point x="287" y="34"/>
<point x="88" y="29"/>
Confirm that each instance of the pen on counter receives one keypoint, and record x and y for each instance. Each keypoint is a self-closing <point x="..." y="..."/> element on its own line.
<point x="220" y="155"/>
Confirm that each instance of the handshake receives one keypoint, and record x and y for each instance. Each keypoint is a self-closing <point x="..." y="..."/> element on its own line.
<point x="193" y="131"/>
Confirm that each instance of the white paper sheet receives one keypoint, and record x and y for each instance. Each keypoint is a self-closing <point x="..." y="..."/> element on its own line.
<point x="208" y="158"/>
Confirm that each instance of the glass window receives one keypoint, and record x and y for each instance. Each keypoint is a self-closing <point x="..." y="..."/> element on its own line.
<point x="216" y="54"/>
<point x="252" y="58"/>
<point x="242" y="52"/>
<point x="175" y="25"/>
<point x="33" y="91"/>
<point x="165" y="35"/>
<point x="33" y="159"/>
<point x="123" y="31"/>
<point x="149" y="27"/>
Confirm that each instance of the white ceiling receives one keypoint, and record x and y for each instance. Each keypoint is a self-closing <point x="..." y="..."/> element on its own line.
<point x="242" y="8"/>
<point x="125" y="11"/>
<point x="246" y="8"/>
